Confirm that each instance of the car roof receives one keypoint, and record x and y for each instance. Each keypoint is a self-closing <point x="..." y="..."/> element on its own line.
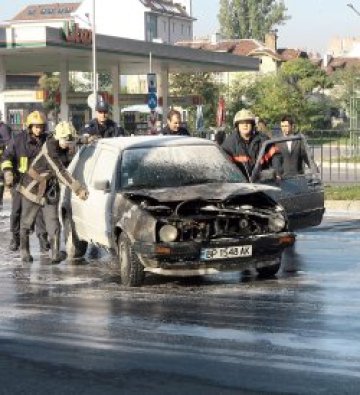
<point x="123" y="143"/>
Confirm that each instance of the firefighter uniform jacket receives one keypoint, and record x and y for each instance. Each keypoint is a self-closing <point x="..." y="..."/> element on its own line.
<point x="244" y="153"/>
<point x="108" y="129"/>
<point x="47" y="165"/>
<point x="20" y="152"/>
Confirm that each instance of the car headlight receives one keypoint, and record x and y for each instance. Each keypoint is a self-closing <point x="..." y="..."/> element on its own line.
<point x="277" y="223"/>
<point x="168" y="233"/>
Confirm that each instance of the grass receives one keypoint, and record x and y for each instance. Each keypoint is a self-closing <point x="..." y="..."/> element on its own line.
<point x="348" y="192"/>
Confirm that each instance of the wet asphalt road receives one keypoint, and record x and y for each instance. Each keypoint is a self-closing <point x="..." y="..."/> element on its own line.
<point x="73" y="329"/>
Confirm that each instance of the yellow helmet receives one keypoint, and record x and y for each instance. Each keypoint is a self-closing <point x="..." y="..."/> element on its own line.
<point x="244" y="115"/>
<point x="65" y="131"/>
<point x="35" y="118"/>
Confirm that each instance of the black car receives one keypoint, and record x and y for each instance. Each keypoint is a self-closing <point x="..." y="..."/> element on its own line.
<point x="172" y="205"/>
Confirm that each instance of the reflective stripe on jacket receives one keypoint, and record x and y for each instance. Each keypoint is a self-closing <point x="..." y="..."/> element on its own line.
<point x="20" y="151"/>
<point x="47" y="165"/>
<point x="245" y="153"/>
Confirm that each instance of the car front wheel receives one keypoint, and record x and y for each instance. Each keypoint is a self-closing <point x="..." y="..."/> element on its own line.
<point x="131" y="270"/>
<point x="75" y="248"/>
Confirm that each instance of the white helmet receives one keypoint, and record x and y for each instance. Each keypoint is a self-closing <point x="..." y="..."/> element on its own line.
<point x="65" y="131"/>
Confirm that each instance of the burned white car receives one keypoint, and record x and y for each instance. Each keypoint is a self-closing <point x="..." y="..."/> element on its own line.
<point x="172" y="205"/>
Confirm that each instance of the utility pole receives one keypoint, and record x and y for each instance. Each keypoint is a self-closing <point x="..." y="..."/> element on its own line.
<point x="95" y="80"/>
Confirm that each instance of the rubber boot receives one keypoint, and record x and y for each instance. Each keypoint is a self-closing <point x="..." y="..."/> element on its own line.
<point x="56" y="256"/>
<point x="25" y="246"/>
<point x="1" y="195"/>
<point x="14" y="242"/>
<point x="44" y="243"/>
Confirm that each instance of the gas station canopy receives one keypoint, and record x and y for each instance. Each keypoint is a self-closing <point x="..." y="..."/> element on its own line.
<point x="43" y="49"/>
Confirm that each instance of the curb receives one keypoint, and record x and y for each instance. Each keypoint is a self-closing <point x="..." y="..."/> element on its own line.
<point x="352" y="206"/>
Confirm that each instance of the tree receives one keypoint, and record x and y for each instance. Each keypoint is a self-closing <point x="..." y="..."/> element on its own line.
<point x="250" y="18"/>
<point x="347" y="85"/>
<point x="296" y="90"/>
<point x="50" y="83"/>
<point x="305" y="75"/>
<point x="202" y="84"/>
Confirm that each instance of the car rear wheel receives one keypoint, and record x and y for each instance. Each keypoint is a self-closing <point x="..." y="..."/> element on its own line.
<point x="75" y="248"/>
<point x="131" y="270"/>
<point x="270" y="270"/>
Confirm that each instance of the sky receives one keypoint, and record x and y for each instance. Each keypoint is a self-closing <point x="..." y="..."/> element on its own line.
<point x="312" y="25"/>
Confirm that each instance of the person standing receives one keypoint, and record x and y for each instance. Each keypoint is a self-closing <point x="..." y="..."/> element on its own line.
<point x="46" y="170"/>
<point x="19" y="153"/>
<point x="173" y="125"/>
<point x="244" y="143"/>
<point x="294" y="154"/>
<point x="101" y="126"/>
<point x="5" y="136"/>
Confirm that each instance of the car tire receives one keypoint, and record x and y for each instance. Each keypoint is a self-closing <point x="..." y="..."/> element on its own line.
<point x="131" y="270"/>
<point x="75" y="248"/>
<point x="270" y="270"/>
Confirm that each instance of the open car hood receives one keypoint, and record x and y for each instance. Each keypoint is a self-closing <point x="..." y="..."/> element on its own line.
<point x="209" y="191"/>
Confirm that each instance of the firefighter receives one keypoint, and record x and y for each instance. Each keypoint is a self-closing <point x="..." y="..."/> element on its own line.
<point x="244" y="143"/>
<point x="101" y="126"/>
<point x="5" y="136"/>
<point x="19" y="153"/>
<point x="36" y="188"/>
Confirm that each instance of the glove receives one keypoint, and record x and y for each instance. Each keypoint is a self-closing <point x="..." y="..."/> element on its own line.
<point x="82" y="193"/>
<point x="92" y="138"/>
<point x="87" y="138"/>
<point x="9" y="178"/>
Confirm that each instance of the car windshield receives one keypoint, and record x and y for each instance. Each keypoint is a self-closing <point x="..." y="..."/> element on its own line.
<point x="157" y="167"/>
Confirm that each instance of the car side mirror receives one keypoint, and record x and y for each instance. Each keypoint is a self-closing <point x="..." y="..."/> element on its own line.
<point x="102" y="185"/>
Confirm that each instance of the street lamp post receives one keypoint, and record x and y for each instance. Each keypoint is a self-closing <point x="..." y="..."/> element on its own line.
<point x="95" y="80"/>
<point x="350" y="5"/>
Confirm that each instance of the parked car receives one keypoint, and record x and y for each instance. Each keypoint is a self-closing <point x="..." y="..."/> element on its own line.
<point x="172" y="205"/>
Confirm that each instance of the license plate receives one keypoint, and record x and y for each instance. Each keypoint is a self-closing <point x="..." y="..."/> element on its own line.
<point x="225" y="252"/>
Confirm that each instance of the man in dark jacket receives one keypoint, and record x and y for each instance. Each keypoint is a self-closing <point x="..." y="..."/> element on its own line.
<point x="19" y="153"/>
<point x="244" y="143"/>
<point x="101" y="126"/>
<point x="173" y="126"/>
<point x="45" y="170"/>
<point x="294" y="155"/>
<point x="5" y="136"/>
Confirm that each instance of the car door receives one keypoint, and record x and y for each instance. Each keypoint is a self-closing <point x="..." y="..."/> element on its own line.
<point x="302" y="195"/>
<point x="82" y="172"/>
<point x="96" y="211"/>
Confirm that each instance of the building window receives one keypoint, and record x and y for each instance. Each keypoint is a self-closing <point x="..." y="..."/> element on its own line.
<point x="164" y="22"/>
<point x="182" y="28"/>
<point x="151" y="31"/>
<point x="173" y="27"/>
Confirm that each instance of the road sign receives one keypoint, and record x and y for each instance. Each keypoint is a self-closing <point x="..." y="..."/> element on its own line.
<point x="152" y="101"/>
<point x="152" y="85"/>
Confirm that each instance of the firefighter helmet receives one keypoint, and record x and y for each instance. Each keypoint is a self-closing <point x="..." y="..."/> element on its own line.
<point x="35" y="118"/>
<point x="244" y="115"/>
<point x="65" y="131"/>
